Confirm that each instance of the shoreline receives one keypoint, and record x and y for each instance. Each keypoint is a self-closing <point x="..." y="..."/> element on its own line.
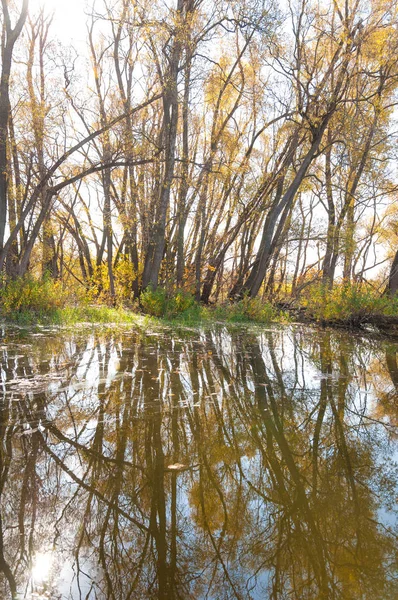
<point x="103" y="315"/>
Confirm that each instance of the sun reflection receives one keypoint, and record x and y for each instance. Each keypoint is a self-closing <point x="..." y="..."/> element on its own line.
<point x="41" y="567"/>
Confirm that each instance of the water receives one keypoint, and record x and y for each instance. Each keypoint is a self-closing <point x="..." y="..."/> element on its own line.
<point x="245" y="463"/>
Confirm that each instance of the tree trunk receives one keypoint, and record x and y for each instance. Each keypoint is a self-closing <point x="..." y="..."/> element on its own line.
<point x="327" y="267"/>
<point x="9" y="38"/>
<point x="156" y="245"/>
<point x="392" y="287"/>
<point x="254" y="280"/>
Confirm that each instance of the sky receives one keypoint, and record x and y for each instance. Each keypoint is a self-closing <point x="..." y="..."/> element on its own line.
<point x="69" y="24"/>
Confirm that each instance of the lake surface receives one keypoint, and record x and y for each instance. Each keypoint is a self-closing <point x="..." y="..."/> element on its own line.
<point x="246" y="463"/>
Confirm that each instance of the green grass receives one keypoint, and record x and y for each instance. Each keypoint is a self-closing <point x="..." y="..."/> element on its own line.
<point x="29" y="301"/>
<point x="101" y="314"/>
<point x="71" y="315"/>
<point x="96" y="314"/>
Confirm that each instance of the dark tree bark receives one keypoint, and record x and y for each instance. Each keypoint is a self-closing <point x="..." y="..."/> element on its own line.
<point x="392" y="287"/>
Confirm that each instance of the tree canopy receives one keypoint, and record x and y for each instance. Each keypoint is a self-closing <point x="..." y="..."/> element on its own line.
<point x="225" y="148"/>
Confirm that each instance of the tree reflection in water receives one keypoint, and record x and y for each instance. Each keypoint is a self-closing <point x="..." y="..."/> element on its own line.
<point x="215" y="464"/>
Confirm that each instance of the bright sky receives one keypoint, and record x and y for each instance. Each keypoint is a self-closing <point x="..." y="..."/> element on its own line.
<point x="69" y="23"/>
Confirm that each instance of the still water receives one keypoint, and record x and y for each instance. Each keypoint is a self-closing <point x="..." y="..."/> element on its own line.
<point x="226" y="463"/>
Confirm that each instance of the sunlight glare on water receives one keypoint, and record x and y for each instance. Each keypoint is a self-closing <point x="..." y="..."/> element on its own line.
<point x="41" y="568"/>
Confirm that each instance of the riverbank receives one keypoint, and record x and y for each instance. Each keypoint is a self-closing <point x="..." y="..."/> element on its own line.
<point x="31" y="302"/>
<point x="200" y="315"/>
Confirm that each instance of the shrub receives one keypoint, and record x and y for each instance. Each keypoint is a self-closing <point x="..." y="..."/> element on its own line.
<point x="248" y="309"/>
<point x="159" y="304"/>
<point x="179" y="302"/>
<point x="347" y="301"/>
<point x="29" y="299"/>
<point x="124" y="276"/>
<point x="154" y="302"/>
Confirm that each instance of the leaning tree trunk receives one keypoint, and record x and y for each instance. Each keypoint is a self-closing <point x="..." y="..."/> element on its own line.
<point x="277" y="212"/>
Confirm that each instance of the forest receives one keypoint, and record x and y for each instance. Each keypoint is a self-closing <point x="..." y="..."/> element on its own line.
<point x="220" y="152"/>
<point x="199" y="300"/>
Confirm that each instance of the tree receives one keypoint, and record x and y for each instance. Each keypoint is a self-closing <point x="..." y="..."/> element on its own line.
<point x="10" y="37"/>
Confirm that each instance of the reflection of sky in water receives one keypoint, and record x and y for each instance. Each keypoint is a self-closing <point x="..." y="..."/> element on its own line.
<point x="95" y="376"/>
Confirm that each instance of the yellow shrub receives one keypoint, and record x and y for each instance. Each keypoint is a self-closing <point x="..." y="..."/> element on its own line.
<point x="25" y="295"/>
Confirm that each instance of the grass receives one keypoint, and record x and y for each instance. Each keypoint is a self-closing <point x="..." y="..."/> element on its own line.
<point x="30" y="306"/>
<point x="100" y="314"/>
<point x="182" y="309"/>
<point x="72" y="315"/>
<point x="30" y="301"/>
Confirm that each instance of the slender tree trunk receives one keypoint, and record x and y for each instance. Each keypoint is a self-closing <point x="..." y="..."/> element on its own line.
<point x="392" y="287"/>
<point x="183" y="192"/>
<point x="156" y="245"/>
<point x="327" y="267"/>
<point x="4" y="115"/>
<point x="11" y="35"/>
